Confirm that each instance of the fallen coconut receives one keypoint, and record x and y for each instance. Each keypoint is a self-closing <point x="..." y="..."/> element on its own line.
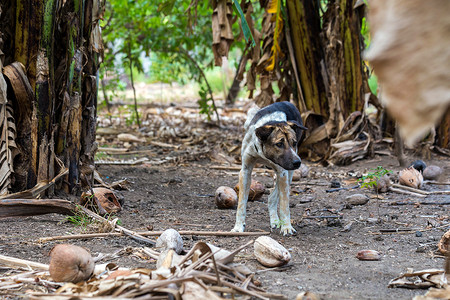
<point x="368" y="255"/>
<point x="70" y="263"/>
<point x="256" y="191"/>
<point x="270" y="253"/>
<point x="301" y="172"/>
<point x="170" y="239"/>
<point x="226" y="197"/>
<point x="410" y="177"/>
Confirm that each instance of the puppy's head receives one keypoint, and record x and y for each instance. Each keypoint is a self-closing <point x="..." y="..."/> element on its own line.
<point x="279" y="142"/>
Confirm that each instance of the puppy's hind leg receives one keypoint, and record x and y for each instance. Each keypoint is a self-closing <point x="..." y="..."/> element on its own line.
<point x="244" y="189"/>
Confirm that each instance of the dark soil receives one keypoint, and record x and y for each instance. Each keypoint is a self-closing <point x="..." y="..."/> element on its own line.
<point x="177" y="194"/>
<point x="323" y="255"/>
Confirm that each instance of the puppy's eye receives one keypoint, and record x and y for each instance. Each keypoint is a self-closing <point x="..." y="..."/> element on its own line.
<point x="279" y="144"/>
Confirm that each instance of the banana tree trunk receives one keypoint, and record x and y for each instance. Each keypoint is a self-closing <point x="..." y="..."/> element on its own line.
<point x="53" y="87"/>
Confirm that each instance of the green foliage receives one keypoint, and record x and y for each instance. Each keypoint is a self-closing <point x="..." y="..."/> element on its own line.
<point x="370" y="180"/>
<point x="205" y="102"/>
<point x="245" y="28"/>
<point x="80" y="218"/>
<point x="156" y="36"/>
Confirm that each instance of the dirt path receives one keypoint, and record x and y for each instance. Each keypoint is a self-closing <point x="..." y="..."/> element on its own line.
<point x="323" y="254"/>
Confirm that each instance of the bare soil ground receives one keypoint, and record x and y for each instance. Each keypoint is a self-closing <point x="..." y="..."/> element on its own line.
<point x="176" y="194"/>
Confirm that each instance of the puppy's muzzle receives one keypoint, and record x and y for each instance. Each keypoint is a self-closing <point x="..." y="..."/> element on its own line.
<point x="296" y="164"/>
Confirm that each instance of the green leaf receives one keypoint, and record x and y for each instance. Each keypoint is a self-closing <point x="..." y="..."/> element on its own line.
<point x="245" y="28"/>
<point x="166" y="7"/>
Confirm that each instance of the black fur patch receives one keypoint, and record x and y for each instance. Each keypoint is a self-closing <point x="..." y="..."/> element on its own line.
<point x="287" y="108"/>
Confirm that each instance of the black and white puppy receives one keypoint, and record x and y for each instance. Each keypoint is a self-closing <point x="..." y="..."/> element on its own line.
<point x="272" y="136"/>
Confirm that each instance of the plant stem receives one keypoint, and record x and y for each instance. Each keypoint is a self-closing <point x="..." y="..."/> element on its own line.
<point x="202" y="74"/>
<point x="132" y="85"/>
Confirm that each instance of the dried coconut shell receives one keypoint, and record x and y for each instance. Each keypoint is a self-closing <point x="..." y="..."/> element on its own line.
<point x="257" y="189"/>
<point x="444" y="244"/>
<point x="170" y="239"/>
<point x="410" y="177"/>
<point x="70" y="263"/>
<point x="226" y="197"/>
<point x="270" y="253"/>
<point x="368" y="255"/>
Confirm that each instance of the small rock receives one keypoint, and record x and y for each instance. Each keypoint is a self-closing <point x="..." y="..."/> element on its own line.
<point x="356" y="199"/>
<point x="418" y="233"/>
<point x="383" y="184"/>
<point x="419" y="165"/>
<point x="335" y="184"/>
<point x="432" y="172"/>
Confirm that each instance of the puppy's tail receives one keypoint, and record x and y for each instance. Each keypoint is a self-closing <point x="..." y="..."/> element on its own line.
<point x="250" y="114"/>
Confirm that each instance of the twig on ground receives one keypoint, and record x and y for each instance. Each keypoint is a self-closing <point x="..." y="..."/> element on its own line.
<point x="17" y="262"/>
<point x="402" y="191"/>
<point x="437" y="182"/>
<point x="149" y="233"/>
<point x="411" y="189"/>
<point x="445" y="202"/>
<point x="130" y="233"/>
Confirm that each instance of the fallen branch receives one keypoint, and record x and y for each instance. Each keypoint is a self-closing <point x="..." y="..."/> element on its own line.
<point x="17" y="262"/>
<point x="150" y="233"/>
<point x="342" y="188"/>
<point x="402" y="191"/>
<point x="39" y="188"/>
<point x="445" y="202"/>
<point x="411" y="189"/>
<point x="322" y="217"/>
<point x="33" y="207"/>
<point x="130" y="233"/>
<point x="437" y="182"/>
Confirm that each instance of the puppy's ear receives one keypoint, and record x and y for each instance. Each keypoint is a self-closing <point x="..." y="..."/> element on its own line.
<point x="298" y="128"/>
<point x="296" y="125"/>
<point x="264" y="132"/>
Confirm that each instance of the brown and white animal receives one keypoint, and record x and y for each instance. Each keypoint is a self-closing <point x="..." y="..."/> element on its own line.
<point x="272" y="137"/>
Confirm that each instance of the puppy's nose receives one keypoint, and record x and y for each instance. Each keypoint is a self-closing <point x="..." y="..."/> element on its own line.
<point x="297" y="163"/>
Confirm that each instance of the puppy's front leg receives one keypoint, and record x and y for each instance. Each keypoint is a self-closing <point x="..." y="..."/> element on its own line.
<point x="244" y="189"/>
<point x="283" y="181"/>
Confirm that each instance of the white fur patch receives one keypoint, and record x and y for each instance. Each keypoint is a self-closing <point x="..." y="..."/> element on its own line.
<point x="277" y="116"/>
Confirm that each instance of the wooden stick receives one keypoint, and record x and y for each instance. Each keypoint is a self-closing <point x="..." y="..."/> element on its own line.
<point x="411" y="189"/>
<point x="150" y="233"/>
<point x="33" y="207"/>
<point x="437" y="182"/>
<point x="17" y="262"/>
<point x="125" y="231"/>
<point x="401" y="191"/>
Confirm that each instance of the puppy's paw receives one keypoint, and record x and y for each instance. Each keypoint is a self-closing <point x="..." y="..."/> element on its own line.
<point x="287" y="230"/>
<point x="238" y="228"/>
<point x="275" y="223"/>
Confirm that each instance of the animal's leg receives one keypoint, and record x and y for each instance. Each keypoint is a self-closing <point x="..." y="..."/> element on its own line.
<point x="283" y="182"/>
<point x="273" y="208"/>
<point x="244" y="189"/>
